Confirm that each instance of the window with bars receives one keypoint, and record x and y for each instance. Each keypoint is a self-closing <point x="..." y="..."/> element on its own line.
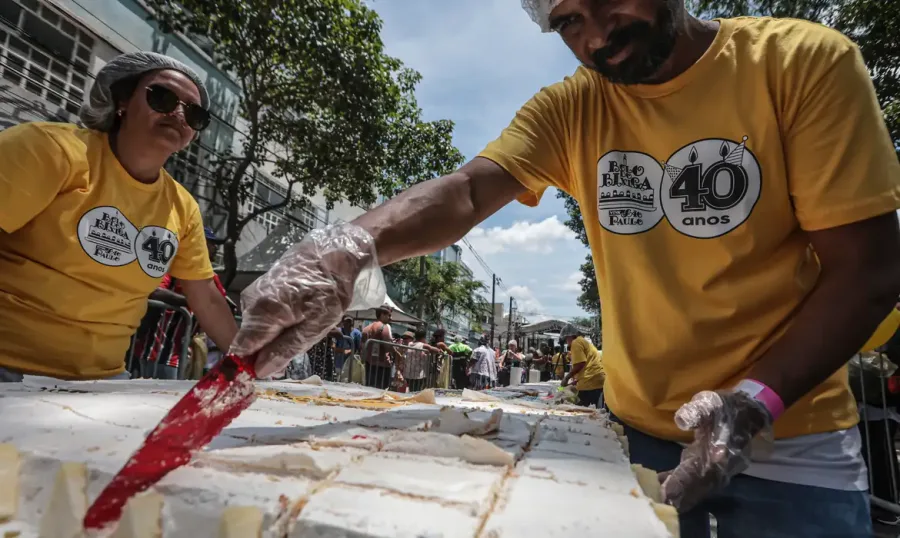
<point x="268" y="193"/>
<point x="190" y="166"/>
<point x="45" y="52"/>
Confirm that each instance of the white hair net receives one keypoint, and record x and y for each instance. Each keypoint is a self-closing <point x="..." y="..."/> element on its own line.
<point x="539" y="11"/>
<point x="99" y="109"/>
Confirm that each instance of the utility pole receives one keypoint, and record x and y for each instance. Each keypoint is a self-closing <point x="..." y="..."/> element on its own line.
<point x="420" y="311"/>
<point x="493" y="298"/>
<point x="509" y="325"/>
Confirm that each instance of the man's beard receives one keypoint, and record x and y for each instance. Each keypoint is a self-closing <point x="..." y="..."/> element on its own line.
<point x="652" y="46"/>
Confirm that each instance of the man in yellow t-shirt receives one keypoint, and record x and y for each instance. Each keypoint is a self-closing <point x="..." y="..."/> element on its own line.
<point x="739" y="191"/>
<point x="587" y="367"/>
<point x="559" y="361"/>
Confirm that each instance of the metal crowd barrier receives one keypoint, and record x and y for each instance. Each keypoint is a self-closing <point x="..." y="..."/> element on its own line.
<point x="889" y="505"/>
<point x="436" y="367"/>
<point x="183" y="362"/>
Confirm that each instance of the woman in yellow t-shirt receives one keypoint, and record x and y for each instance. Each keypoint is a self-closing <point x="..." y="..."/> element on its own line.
<point x="91" y="222"/>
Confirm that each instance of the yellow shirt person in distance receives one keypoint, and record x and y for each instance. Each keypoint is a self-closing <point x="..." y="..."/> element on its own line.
<point x="587" y="367"/>
<point x="560" y="360"/>
<point x="91" y="222"/>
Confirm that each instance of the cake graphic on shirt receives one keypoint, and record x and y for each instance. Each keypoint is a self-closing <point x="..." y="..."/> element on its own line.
<point x="732" y="156"/>
<point x="109" y="231"/>
<point x="625" y="187"/>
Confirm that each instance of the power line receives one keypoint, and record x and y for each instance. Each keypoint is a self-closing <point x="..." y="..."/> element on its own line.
<point x="484" y="264"/>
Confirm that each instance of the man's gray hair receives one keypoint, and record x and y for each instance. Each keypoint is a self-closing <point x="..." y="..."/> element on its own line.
<point x="99" y="109"/>
<point x="539" y="11"/>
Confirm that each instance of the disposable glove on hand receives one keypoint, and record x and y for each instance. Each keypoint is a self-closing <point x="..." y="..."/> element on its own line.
<point x="302" y="297"/>
<point x="725" y="424"/>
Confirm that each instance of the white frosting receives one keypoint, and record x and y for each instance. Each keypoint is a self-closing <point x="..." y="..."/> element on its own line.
<point x="316" y="468"/>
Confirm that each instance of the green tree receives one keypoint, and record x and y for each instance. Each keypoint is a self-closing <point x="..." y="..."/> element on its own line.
<point x="326" y="108"/>
<point x="445" y="289"/>
<point x="589" y="299"/>
<point x="872" y="24"/>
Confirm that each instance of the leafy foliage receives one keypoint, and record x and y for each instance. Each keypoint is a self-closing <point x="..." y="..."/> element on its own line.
<point x="445" y="289"/>
<point x="326" y="109"/>
<point x="589" y="300"/>
<point x="872" y="24"/>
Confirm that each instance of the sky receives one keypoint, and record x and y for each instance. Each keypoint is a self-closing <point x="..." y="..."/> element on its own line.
<point x="481" y="60"/>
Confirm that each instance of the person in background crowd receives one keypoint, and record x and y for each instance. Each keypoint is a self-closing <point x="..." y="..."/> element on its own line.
<point x="587" y="367"/>
<point x="378" y="356"/>
<point x="539" y="362"/>
<point x="547" y="370"/>
<point x="437" y="340"/>
<point x="92" y="222"/>
<point x="506" y="361"/>
<point x="299" y="368"/>
<point x="420" y="364"/>
<point x="344" y="344"/>
<point x="444" y="369"/>
<point x="878" y="431"/>
<point x="484" y="369"/>
<point x="461" y="354"/>
<point x="559" y="362"/>
<point x="356" y="335"/>
<point x="163" y="359"/>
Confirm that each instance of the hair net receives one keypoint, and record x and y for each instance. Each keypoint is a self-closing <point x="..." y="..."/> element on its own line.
<point x="99" y="109"/>
<point x="569" y="330"/>
<point x="539" y="11"/>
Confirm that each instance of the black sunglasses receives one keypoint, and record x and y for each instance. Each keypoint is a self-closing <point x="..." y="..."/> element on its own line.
<point x="165" y="101"/>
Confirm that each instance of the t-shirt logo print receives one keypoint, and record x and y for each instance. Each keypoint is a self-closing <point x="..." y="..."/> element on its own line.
<point x="710" y="187"/>
<point x="111" y="239"/>
<point x="627" y="191"/>
<point x="107" y="236"/>
<point x="155" y="248"/>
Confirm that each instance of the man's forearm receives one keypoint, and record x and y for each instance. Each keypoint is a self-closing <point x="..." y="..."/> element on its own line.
<point x="835" y="320"/>
<point x="439" y="212"/>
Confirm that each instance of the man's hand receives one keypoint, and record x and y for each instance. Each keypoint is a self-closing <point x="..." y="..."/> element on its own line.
<point x="294" y="305"/>
<point x="724" y="424"/>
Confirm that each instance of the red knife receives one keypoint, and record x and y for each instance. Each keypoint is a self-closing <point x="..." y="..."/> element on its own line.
<point x="200" y="415"/>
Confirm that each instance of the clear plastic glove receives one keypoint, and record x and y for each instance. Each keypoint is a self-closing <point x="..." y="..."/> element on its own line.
<point x="302" y="297"/>
<point x="725" y="425"/>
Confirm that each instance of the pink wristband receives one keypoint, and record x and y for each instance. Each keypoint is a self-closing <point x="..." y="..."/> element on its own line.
<point x="764" y="395"/>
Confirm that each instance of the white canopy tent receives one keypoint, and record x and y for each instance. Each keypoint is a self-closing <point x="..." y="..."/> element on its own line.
<point x="397" y="315"/>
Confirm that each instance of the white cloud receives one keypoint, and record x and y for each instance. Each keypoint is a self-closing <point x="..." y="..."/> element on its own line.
<point x="572" y="283"/>
<point x="533" y="276"/>
<point x="525" y="299"/>
<point x="540" y="237"/>
<point x="481" y="60"/>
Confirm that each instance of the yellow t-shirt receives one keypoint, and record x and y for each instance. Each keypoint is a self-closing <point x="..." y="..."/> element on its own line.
<point x="696" y="196"/>
<point x="592" y="376"/>
<point x="559" y="361"/>
<point x="82" y="246"/>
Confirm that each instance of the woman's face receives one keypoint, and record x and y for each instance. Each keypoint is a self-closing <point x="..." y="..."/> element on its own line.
<point x="157" y="131"/>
